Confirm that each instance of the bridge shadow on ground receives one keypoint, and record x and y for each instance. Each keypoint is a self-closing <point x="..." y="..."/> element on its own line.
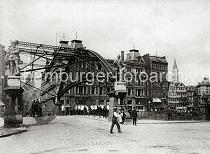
<point x="34" y="121"/>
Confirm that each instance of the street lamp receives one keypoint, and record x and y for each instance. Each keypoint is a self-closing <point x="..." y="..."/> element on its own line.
<point x="2" y="86"/>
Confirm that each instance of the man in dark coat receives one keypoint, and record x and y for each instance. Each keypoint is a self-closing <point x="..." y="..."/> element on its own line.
<point x="115" y="121"/>
<point x="123" y="117"/>
<point x="134" y="116"/>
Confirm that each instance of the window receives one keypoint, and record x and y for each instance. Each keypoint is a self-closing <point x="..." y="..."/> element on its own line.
<point x="62" y="101"/>
<point x="93" y="90"/>
<point x="100" y="90"/>
<point x="129" y="91"/>
<point x="96" y="90"/>
<point x="80" y="90"/>
<point x="128" y="69"/>
<point x="138" y="92"/>
<point x="84" y="90"/>
<point x="129" y="102"/>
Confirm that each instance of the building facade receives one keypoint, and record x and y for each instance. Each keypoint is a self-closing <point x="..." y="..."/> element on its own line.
<point x="140" y="91"/>
<point x="137" y="92"/>
<point x="2" y="72"/>
<point x="78" y="95"/>
<point x="203" y="94"/>
<point x="191" y="94"/>
<point x="177" y="94"/>
<point x="157" y="68"/>
<point x="2" y="68"/>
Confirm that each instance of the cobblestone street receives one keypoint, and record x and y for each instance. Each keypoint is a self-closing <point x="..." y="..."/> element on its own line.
<point x="79" y="134"/>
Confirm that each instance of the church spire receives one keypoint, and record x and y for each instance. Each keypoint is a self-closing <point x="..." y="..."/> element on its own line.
<point x="175" y="77"/>
<point x="175" y="65"/>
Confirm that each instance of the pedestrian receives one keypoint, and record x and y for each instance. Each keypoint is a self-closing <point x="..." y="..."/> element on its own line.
<point x="63" y="109"/>
<point x="33" y="108"/>
<point x="169" y="114"/>
<point x="115" y="121"/>
<point x="85" y="110"/>
<point x="123" y="116"/>
<point x="120" y="116"/>
<point x="134" y="116"/>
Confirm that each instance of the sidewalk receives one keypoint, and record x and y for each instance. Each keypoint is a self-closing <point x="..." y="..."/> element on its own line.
<point x="4" y="132"/>
<point x="27" y="121"/>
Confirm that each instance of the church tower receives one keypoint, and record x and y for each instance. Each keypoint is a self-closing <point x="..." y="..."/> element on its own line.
<point x="175" y="71"/>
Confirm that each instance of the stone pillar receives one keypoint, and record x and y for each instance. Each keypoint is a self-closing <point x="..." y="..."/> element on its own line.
<point x="14" y="107"/>
<point x="14" y="103"/>
<point x="112" y="104"/>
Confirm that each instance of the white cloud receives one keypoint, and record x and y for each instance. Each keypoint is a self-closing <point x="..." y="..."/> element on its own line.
<point x="177" y="29"/>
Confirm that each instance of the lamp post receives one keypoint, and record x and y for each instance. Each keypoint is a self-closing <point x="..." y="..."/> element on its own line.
<point x="2" y="86"/>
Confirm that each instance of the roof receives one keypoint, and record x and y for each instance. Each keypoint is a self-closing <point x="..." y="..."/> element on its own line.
<point x="2" y="46"/>
<point x="104" y="61"/>
<point x="75" y="44"/>
<point x="204" y="83"/>
<point x="1" y="103"/>
<point x="134" y="62"/>
<point x="190" y="88"/>
<point x="179" y="83"/>
<point x="158" y="59"/>
<point x="156" y="100"/>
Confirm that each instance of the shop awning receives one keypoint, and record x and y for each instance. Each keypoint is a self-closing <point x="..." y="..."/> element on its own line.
<point x="156" y="100"/>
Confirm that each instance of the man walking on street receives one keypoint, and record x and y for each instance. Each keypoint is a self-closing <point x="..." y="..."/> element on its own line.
<point x="134" y="116"/>
<point x="115" y="121"/>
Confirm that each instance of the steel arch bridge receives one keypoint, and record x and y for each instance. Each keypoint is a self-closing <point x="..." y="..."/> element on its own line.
<point x="64" y="58"/>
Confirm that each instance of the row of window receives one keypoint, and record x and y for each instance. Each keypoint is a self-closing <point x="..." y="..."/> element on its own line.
<point x="173" y="99"/>
<point x="159" y="67"/>
<point x="177" y="94"/>
<point x="82" y="90"/>
<point x="102" y="90"/>
<point x="138" y="92"/>
<point x="135" y="70"/>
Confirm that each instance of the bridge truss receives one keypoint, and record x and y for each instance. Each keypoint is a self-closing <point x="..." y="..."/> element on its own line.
<point x="70" y="59"/>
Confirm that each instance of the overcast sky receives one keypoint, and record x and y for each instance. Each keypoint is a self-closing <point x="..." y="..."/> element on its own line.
<point x="176" y="29"/>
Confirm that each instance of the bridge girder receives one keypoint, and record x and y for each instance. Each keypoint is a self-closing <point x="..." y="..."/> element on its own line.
<point x="65" y="58"/>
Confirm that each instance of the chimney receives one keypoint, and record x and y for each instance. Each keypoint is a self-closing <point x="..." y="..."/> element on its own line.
<point x="76" y="44"/>
<point x="64" y="43"/>
<point x="134" y="54"/>
<point x="122" y="55"/>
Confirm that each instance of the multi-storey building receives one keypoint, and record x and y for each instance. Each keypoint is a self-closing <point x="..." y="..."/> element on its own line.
<point x="82" y="94"/>
<point x="177" y="94"/>
<point x="137" y="92"/>
<point x="204" y="87"/>
<point x="203" y="92"/>
<point x="191" y="92"/>
<point x="157" y="86"/>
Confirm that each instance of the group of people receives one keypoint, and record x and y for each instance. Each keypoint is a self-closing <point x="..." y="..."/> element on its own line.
<point x="36" y="109"/>
<point x="99" y="111"/>
<point x="119" y="117"/>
